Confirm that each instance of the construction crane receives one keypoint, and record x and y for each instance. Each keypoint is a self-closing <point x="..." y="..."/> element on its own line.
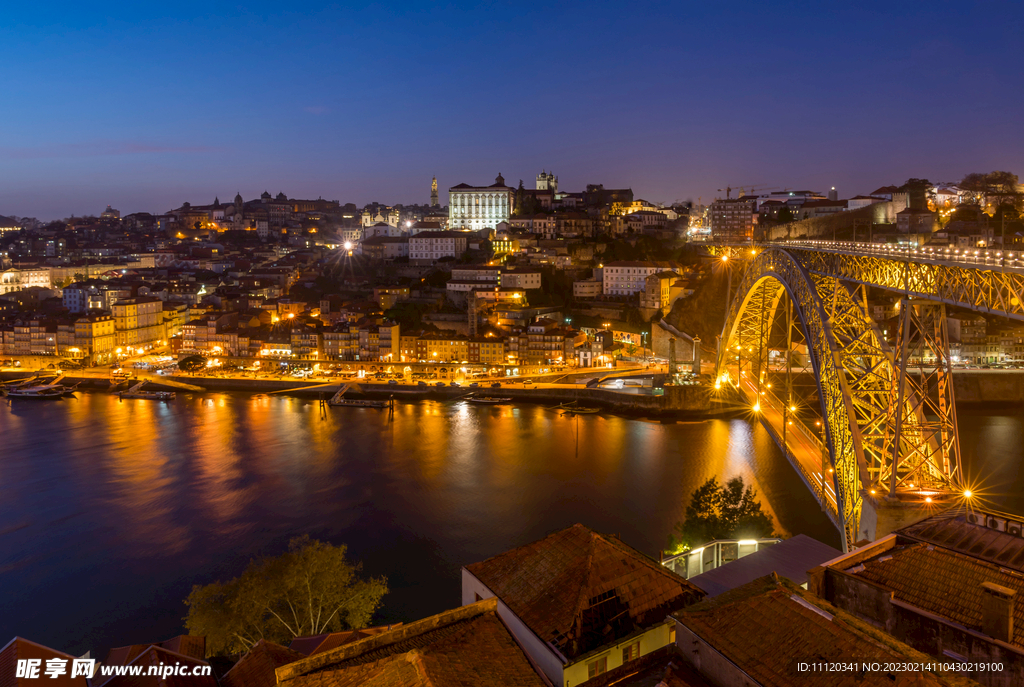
<point x="743" y="189"/>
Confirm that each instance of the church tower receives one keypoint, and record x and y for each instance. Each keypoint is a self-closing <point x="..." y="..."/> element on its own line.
<point x="433" y="193"/>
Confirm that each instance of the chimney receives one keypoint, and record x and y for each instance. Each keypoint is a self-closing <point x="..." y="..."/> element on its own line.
<point x="696" y="355"/>
<point x="997" y="611"/>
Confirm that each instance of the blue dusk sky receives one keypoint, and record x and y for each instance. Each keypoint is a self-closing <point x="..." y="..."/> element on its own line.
<point x="145" y="105"/>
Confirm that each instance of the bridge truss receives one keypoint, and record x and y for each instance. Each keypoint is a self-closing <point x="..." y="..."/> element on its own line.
<point x="884" y="431"/>
<point x="985" y="288"/>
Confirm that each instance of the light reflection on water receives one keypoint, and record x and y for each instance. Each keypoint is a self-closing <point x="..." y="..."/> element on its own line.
<point x="110" y="510"/>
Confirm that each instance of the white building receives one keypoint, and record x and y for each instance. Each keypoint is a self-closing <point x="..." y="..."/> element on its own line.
<point x="430" y="246"/>
<point x="480" y="207"/>
<point x="17" y="279"/>
<point x="628" y="277"/>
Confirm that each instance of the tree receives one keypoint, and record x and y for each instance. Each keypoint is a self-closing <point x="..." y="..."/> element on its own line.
<point x="785" y="215"/>
<point x="193" y="364"/>
<point x="716" y="511"/>
<point x="308" y="590"/>
<point x="1000" y="187"/>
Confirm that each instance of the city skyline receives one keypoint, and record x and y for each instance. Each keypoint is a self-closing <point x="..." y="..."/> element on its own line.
<point x="364" y="104"/>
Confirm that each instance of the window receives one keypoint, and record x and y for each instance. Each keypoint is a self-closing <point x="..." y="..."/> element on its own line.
<point x="631" y="652"/>
<point x="598" y="667"/>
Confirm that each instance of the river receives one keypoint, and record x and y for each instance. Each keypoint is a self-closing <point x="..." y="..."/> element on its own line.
<point x="111" y="510"/>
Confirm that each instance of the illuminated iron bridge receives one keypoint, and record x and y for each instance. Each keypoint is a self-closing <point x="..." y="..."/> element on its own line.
<point x="886" y="443"/>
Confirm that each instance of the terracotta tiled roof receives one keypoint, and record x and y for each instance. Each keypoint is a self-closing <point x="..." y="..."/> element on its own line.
<point x="155" y="656"/>
<point x="465" y="646"/>
<point x="317" y="644"/>
<point x="21" y="649"/>
<point x="579" y="590"/>
<point x="766" y="626"/>
<point x="942" y="582"/>
<point x="256" y="668"/>
<point x="988" y="535"/>
<point x="187" y="645"/>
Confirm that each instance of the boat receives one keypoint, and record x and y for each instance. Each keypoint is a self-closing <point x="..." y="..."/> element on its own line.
<point x="49" y="391"/>
<point x="575" y="408"/>
<point x="138" y="392"/>
<point x="492" y="400"/>
<point x="358" y="403"/>
<point x="339" y="400"/>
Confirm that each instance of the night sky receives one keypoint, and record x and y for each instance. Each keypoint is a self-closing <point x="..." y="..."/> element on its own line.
<point x="146" y="107"/>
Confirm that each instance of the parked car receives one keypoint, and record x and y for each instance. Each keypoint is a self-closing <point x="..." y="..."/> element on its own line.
<point x="456" y="384"/>
<point x="527" y="381"/>
<point x="474" y="385"/>
<point x="421" y="383"/>
<point x="439" y="384"/>
<point x="496" y="385"/>
<point x="392" y="381"/>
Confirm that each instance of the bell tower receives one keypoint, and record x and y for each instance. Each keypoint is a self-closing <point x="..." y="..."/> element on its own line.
<point x="433" y="193"/>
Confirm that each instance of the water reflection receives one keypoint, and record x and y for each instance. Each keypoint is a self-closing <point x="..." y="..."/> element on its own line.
<point x="111" y="510"/>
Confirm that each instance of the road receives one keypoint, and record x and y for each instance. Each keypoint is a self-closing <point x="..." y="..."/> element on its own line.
<point x="804" y="450"/>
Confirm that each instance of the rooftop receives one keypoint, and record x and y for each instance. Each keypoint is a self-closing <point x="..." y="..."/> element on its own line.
<point x="791" y="558"/>
<point x="987" y="535"/>
<point x="256" y="668"/>
<point x="579" y="590"/>
<point x="465" y="646"/>
<point x="767" y="625"/>
<point x="942" y="582"/>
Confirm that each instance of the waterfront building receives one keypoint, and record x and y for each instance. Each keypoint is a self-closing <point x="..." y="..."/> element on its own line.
<point x="487" y="350"/>
<point x="580" y="603"/>
<point x="94" y="339"/>
<point x="339" y="342"/>
<point x="480" y="207"/>
<point x="442" y="348"/>
<point x="138" y="322"/>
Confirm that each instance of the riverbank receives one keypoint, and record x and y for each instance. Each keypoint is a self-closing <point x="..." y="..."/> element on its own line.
<point x="688" y="401"/>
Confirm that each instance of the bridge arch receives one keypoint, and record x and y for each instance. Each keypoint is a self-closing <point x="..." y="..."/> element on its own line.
<point x="886" y="438"/>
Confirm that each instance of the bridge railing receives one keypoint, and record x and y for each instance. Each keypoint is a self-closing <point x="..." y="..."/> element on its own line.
<point x="815" y="481"/>
<point x="964" y="256"/>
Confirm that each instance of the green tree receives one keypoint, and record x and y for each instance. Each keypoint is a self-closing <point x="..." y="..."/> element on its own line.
<point x="716" y="511"/>
<point x="1000" y="188"/>
<point x="785" y="215"/>
<point x="308" y="590"/>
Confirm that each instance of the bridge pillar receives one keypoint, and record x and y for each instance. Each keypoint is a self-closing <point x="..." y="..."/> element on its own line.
<point x="881" y="515"/>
